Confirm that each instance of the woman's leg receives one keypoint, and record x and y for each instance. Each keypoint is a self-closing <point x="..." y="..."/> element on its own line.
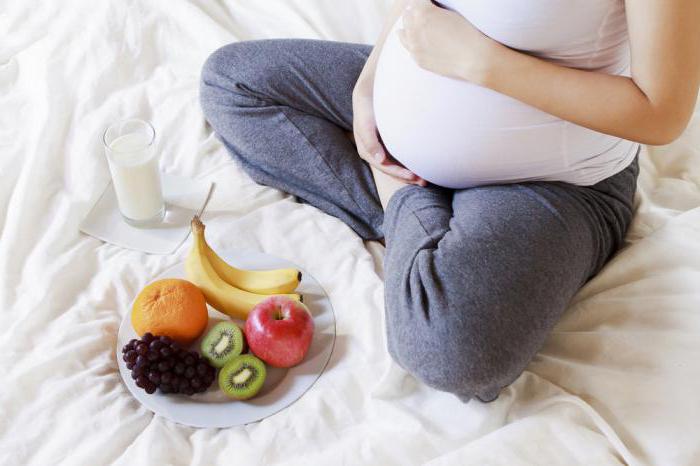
<point x="282" y="108"/>
<point x="477" y="278"/>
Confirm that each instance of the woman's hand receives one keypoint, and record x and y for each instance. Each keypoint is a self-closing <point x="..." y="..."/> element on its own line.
<point x="366" y="136"/>
<point x="445" y="43"/>
<point x="653" y="106"/>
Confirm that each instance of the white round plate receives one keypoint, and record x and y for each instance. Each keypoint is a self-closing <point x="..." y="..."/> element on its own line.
<point x="282" y="386"/>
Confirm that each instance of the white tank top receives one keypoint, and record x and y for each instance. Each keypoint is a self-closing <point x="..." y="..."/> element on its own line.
<point x="457" y="134"/>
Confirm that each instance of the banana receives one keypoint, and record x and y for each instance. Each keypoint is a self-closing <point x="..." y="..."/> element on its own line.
<point x="220" y="295"/>
<point x="277" y="281"/>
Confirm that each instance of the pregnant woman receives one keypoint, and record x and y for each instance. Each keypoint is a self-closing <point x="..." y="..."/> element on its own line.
<point x="497" y="148"/>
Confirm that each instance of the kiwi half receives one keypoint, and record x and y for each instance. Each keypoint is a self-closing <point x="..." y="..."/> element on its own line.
<point x="242" y="377"/>
<point x="224" y="342"/>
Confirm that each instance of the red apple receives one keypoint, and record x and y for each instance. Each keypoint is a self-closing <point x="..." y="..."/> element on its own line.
<point x="279" y="331"/>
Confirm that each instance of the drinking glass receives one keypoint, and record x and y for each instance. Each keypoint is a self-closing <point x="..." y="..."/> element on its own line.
<point x="133" y="163"/>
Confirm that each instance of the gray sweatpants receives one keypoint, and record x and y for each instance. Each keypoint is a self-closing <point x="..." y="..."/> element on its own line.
<point x="475" y="279"/>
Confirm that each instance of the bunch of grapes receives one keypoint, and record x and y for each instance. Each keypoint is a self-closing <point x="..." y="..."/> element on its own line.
<point x="159" y="362"/>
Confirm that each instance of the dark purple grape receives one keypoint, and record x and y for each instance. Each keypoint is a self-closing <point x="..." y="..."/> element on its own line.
<point x="141" y="360"/>
<point x="202" y="369"/>
<point x="166" y="352"/>
<point x="155" y="345"/>
<point x="188" y="391"/>
<point x="189" y="360"/>
<point x="129" y="365"/>
<point x="142" y="380"/>
<point x="166" y="377"/>
<point x="147" y="337"/>
<point x="150" y="388"/>
<point x="174" y="388"/>
<point x="125" y="348"/>
<point x="163" y="366"/>
<point x="154" y="376"/>
<point x="166" y="339"/>
<point x="190" y="372"/>
<point x="138" y="370"/>
<point x="184" y="383"/>
<point x="179" y="368"/>
<point x="130" y="356"/>
<point x="152" y="356"/>
<point x="165" y="388"/>
<point x="134" y="375"/>
<point x="133" y="342"/>
<point x="195" y="383"/>
<point x="142" y="349"/>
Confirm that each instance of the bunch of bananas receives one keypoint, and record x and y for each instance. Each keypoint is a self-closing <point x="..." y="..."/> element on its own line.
<point x="231" y="290"/>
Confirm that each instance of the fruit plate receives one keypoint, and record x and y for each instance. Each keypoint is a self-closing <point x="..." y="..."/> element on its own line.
<point x="282" y="386"/>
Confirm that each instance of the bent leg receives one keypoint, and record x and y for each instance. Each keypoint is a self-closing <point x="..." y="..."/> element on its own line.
<point x="282" y="108"/>
<point x="477" y="278"/>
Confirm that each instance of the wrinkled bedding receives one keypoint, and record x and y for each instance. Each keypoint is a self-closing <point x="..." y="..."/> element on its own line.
<point x="617" y="382"/>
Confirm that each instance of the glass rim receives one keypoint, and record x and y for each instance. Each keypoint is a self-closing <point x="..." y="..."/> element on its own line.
<point x="124" y="121"/>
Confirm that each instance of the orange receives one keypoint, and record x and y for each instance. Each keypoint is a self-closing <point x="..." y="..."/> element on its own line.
<point x="170" y="307"/>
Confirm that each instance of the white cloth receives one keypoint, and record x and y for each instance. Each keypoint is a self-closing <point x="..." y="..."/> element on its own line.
<point x="457" y="134"/>
<point x="617" y="381"/>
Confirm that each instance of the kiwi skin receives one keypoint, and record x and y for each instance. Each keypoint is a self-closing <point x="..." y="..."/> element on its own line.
<point x="245" y="348"/>
<point x="212" y="338"/>
<point x="236" y="366"/>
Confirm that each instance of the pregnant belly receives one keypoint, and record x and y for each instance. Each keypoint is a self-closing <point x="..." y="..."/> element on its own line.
<point x="456" y="134"/>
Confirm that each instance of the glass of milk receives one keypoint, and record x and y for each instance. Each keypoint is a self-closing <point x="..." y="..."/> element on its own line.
<point x="133" y="163"/>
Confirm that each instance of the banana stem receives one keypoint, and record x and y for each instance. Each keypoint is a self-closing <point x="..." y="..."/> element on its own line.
<point x="197" y="225"/>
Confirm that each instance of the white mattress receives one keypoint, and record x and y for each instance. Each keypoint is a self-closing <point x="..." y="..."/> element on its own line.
<point x="617" y="382"/>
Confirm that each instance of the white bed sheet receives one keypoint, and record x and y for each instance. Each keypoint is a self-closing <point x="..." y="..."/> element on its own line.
<point x="617" y="382"/>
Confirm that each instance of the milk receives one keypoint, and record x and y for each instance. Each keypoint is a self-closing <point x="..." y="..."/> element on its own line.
<point x="135" y="177"/>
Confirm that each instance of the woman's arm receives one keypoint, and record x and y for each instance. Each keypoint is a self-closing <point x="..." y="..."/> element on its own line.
<point x="364" y="125"/>
<point x="652" y="107"/>
<point x="367" y="75"/>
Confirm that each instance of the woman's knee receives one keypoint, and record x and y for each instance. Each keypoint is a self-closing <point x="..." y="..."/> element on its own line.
<point x="228" y="75"/>
<point x="232" y="62"/>
<point x="213" y="91"/>
<point x="453" y="355"/>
